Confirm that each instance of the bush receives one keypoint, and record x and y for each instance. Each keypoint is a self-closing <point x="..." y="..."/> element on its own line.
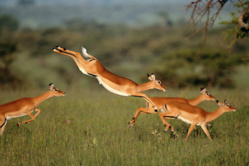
<point x="187" y="68"/>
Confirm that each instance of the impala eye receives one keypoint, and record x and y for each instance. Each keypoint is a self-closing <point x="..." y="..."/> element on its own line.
<point x="56" y="89"/>
<point x="159" y="82"/>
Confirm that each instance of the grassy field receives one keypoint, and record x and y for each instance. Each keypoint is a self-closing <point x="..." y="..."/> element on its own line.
<point x="91" y="128"/>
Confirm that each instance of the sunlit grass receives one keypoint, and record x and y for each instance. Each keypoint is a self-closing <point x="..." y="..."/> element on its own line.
<point x="91" y="128"/>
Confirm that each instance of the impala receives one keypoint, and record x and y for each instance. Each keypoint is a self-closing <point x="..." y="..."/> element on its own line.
<point x="194" y="115"/>
<point x="160" y="101"/>
<point x="113" y="83"/>
<point x="25" y="106"/>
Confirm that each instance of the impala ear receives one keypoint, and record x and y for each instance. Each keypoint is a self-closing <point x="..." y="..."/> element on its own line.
<point x="203" y="90"/>
<point x="51" y="86"/>
<point x="151" y="77"/>
<point x="218" y="102"/>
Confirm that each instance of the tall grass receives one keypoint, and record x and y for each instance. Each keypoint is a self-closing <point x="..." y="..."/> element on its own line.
<point x="90" y="128"/>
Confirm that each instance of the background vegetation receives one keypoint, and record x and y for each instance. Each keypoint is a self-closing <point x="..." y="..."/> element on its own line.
<point x="89" y="125"/>
<point x="136" y="51"/>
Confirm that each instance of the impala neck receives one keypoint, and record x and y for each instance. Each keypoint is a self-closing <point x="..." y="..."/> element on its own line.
<point x="196" y="101"/>
<point x="39" y="99"/>
<point x="144" y="87"/>
<point x="210" y="116"/>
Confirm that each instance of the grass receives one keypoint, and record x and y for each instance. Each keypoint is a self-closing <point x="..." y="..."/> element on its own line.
<point x="90" y="128"/>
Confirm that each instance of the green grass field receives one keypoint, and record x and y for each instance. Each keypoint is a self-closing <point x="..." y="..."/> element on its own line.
<point x="91" y="128"/>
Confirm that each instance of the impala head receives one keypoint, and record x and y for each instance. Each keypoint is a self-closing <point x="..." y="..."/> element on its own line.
<point x="206" y="95"/>
<point x="157" y="84"/>
<point x="55" y="91"/>
<point x="225" y="107"/>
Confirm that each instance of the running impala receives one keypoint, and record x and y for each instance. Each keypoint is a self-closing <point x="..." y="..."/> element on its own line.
<point x="194" y="115"/>
<point x="25" y="106"/>
<point x="113" y="83"/>
<point x="160" y="101"/>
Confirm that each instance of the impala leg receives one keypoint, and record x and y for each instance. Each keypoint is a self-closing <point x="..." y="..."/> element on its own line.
<point x="190" y="130"/>
<point x="166" y="124"/>
<point x="32" y="117"/>
<point x="2" y="129"/>
<point x="204" y="128"/>
<point x="209" y="125"/>
<point x="67" y="51"/>
<point x="38" y="111"/>
<point x="82" y="64"/>
<point x="76" y="54"/>
<point x="79" y="60"/>
<point x="149" y="110"/>
<point x="3" y="123"/>
<point x="147" y="99"/>
<point x="61" y="51"/>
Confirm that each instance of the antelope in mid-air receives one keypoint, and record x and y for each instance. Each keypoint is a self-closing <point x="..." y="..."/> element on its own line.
<point x="112" y="82"/>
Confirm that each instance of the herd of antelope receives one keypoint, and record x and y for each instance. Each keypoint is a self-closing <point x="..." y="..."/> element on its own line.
<point x="166" y="107"/>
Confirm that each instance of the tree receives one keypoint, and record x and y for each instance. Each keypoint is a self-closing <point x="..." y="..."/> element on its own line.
<point x="6" y="59"/>
<point x="209" y="10"/>
<point x="8" y="46"/>
<point x="241" y="29"/>
<point x="8" y="23"/>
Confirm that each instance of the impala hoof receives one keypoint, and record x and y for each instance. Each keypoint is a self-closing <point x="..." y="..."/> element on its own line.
<point x="130" y="124"/>
<point x="174" y="135"/>
<point x="18" y="125"/>
<point x="209" y="125"/>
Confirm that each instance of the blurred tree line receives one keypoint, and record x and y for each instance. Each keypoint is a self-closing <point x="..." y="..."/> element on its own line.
<point x="126" y="51"/>
<point x="8" y="45"/>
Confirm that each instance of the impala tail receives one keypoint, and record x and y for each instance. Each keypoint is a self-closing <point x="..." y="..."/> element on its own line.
<point x="86" y="55"/>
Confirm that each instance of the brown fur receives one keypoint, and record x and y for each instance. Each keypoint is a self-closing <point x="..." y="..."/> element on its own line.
<point x="161" y="101"/>
<point x="195" y="115"/>
<point x="119" y="85"/>
<point x="25" y="106"/>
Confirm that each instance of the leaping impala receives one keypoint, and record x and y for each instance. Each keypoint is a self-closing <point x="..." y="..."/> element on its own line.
<point x="113" y="83"/>
<point x="160" y="101"/>
<point x="194" y="115"/>
<point x="25" y="106"/>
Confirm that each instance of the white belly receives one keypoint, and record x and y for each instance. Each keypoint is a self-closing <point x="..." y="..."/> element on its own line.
<point x="11" y="117"/>
<point x="184" y="120"/>
<point x="83" y="71"/>
<point x="8" y="117"/>
<point x="187" y="121"/>
<point x="105" y="85"/>
<point x="111" y="89"/>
